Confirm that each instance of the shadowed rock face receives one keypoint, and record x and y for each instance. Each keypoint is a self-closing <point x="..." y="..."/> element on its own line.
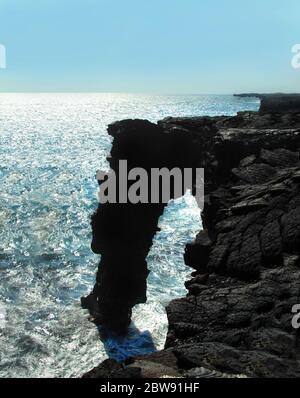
<point x="277" y="103"/>
<point x="123" y="232"/>
<point x="236" y="318"/>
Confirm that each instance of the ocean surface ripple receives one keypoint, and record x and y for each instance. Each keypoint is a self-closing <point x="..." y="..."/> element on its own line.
<point x="51" y="146"/>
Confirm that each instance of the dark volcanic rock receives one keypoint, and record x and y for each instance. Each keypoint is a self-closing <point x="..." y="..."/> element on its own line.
<point x="236" y="318"/>
<point x="110" y="369"/>
<point x="276" y="103"/>
<point x="240" y="323"/>
<point x="123" y="232"/>
<point x="157" y="365"/>
<point x="280" y="103"/>
<point x="197" y="252"/>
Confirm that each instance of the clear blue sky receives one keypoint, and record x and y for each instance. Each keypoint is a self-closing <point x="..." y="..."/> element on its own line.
<point x="168" y="46"/>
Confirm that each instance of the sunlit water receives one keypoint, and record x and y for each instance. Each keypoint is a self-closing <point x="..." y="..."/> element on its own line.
<point x="50" y="148"/>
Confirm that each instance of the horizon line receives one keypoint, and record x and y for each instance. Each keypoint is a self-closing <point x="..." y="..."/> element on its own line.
<point x="142" y="92"/>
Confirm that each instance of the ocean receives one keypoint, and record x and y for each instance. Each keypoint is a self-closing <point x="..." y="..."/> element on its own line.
<point x="51" y="146"/>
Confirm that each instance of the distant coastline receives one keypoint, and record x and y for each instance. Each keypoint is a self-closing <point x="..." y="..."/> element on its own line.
<point x="275" y="103"/>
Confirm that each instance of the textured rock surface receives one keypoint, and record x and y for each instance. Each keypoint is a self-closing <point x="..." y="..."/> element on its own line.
<point x="236" y="318"/>
<point x="239" y="320"/>
<point x="277" y="103"/>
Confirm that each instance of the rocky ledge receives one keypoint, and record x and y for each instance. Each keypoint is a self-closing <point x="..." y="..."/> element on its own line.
<point x="237" y="316"/>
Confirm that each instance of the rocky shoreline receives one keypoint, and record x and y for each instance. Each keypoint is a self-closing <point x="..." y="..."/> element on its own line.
<point x="236" y="318"/>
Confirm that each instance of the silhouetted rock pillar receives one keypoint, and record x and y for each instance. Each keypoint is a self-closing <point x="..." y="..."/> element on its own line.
<point x="123" y="232"/>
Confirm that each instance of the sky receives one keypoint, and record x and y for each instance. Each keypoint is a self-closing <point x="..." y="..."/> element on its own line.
<point x="155" y="46"/>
